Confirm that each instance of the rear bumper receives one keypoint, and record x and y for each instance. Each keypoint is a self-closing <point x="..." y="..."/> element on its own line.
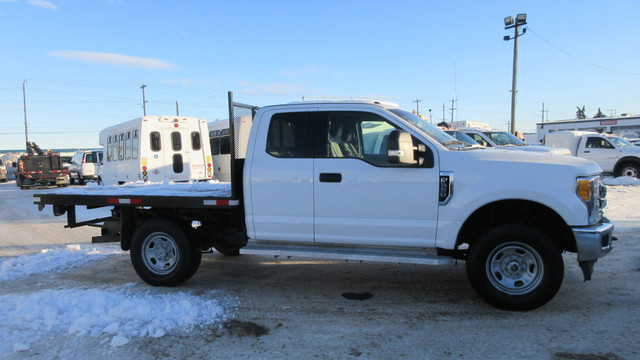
<point x="593" y="242"/>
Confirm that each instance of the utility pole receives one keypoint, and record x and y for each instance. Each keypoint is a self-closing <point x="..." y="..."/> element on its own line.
<point x="612" y="112"/>
<point x="417" y="101"/>
<point x="430" y="121"/>
<point x="26" y="127"/>
<point x="543" y="111"/>
<point x="443" y="108"/>
<point x="452" y="108"/>
<point x="509" y="22"/>
<point x="144" y="100"/>
<point x="177" y="109"/>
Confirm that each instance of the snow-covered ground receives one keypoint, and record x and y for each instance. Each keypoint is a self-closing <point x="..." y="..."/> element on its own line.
<point x="41" y="300"/>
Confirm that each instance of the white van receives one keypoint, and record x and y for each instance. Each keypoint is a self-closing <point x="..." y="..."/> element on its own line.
<point x="84" y="166"/>
<point x="155" y="149"/>
<point x="220" y="143"/>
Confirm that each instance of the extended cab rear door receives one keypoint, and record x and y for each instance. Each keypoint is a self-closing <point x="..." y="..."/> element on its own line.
<point x="279" y="178"/>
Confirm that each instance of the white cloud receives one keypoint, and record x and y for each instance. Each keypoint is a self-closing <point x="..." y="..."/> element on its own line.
<point x="43" y="4"/>
<point x="113" y="59"/>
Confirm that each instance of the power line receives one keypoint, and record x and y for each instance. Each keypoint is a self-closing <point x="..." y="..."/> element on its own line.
<point x="579" y="58"/>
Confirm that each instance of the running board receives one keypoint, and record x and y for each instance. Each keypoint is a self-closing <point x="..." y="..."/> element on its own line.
<point x="349" y="253"/>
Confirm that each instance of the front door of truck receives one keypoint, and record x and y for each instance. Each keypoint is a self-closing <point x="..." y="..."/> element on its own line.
<point x="361" y="198"/>
<point x="601" y="151"/>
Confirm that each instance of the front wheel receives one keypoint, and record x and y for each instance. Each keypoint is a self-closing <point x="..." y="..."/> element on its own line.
<point x="515" y="267"/>
<point x="162" y="255"/>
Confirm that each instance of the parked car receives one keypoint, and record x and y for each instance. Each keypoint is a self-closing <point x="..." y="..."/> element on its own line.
<point x="504" y="140"/>
<point x="84" y="166"/>
<point x="3" y="172"/>
<point x="459" y="135"/>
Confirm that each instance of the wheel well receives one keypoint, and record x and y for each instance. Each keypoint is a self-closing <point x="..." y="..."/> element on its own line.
<point x="626" y="160"/>
<point x="517" y="212"/>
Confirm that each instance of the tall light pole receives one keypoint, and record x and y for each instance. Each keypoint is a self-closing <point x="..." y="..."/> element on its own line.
<point x="521" y="19"/>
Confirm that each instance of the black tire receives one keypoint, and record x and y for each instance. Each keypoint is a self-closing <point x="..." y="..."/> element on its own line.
<point x="80" y="180"/>
<point x="18" y="181"/>
<point x="162" y="254"/>
<point x="629" y="169"/>
<point x="72" y="181"/>
<point x="515" y="267"/>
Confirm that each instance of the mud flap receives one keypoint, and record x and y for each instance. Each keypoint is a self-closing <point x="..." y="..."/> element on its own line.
<point x="587" y="269"/>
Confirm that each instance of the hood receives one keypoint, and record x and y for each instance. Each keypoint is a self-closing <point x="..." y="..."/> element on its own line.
<point x="545" y="149"/>
<point x="527" y="162"/>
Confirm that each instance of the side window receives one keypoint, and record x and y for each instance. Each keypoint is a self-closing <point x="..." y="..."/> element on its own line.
<point x="286" y="136"/>
<point x="155" y="141"/>
<point x="362" y="135"/>
<point x="225" y="142"/>
<point x="114" y="150"/>
<point x="599" y="143"/>
<point x="128" y="146"/>
<point x="176" y="141"/>
<point x="479" y="140"/>
<point x="109" y="149"/>
<point x="214" y="142"/>
<point x="134" y="145"/>
<point x="215" y="145"/>
<point x="121" y="146"/>
<point x="195" y="141"/>
<point x="357" y="134"/>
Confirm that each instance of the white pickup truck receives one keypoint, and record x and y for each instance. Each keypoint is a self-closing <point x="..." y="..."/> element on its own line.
<point x="614" y="154"/>
<point x="369" y="181"/>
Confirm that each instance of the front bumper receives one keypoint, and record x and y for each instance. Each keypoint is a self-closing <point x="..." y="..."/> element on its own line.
<point x="593" y="242"/>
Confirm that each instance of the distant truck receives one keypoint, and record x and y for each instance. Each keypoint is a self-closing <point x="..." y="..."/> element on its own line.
<point x="156" y="149"/>
<point x="85" y="166"/>
<point x="365" y="181"/>
<point x="614" y="154"/>
<point x="39" y="168"/>
<point x="503" y="140"/>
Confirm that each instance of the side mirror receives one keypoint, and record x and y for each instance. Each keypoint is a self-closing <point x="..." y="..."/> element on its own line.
<point x="400" y="148"/>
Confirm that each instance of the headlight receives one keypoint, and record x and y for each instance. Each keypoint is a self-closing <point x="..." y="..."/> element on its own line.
<point x="592" y="193"/>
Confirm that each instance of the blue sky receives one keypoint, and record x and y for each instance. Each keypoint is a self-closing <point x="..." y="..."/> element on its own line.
<point x="85" y="61"/>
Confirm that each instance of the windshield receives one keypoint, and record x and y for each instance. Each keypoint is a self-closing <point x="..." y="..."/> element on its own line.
<point x="432" y="131"/>
<point x="503" y="138"/>
<point x="620" y="142"/>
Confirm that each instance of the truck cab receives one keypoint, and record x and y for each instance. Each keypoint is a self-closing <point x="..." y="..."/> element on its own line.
<point x="613" y="154"/>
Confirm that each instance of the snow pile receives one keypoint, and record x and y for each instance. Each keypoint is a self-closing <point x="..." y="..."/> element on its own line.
<point x="54" y="260"/>
<point x="211" y="188"/>
<point x="622" y="180"/>
<point x="117" y="314"/>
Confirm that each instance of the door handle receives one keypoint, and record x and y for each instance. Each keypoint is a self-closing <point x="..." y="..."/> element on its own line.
<point x="331" y="177"/>
<point x="587" y="152"/>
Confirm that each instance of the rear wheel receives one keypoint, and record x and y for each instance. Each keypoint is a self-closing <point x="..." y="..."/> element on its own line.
<point x="515" y="267"/>
<point x="629" y="169"/>
<point x="162" y="254"/>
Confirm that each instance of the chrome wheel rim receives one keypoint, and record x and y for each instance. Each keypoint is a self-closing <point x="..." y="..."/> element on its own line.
<point x="160" y="253"/>
<point x="515" y="268"/>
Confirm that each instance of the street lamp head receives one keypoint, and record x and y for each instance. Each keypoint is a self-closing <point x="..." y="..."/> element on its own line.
<point x="508" y="21"/>
<point x="521" y="18"/>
